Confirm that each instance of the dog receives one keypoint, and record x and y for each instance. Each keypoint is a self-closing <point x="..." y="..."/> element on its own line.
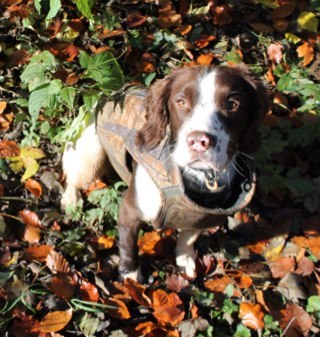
<point x="185" y="160"/>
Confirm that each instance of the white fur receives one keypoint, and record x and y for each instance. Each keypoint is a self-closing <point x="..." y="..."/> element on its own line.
<point x="185" y="254"/>
<point x="82" y="163"/>
<point x="204" y="117"/>
<point x="148" y="195"/>
<point x="134" y="275"/>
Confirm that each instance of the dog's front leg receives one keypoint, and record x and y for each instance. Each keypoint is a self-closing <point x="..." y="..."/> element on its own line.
<point x="128" y="226"/>
<point x="185" y="254"/>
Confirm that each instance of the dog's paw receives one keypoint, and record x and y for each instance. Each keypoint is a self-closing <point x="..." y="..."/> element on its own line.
<point x="186" y="264"/>
<point x="70" y="197"/>
<point x="134" y="275"/>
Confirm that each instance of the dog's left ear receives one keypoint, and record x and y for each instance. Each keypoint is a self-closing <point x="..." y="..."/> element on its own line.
<point x="258" y="107"/>
<point x="157" y="115"/>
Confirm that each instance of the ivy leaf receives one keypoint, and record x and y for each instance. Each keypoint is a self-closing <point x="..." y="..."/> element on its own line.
<point x="242" y="331"/>
<point x="313" y="304"/>
<point x="67" y="95"/>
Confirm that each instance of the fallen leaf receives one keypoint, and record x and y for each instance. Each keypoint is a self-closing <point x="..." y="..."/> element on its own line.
<point x="308" y="21"/>
<point x="88" y="291"/>
<point x="306" y="52"/>
<point x="222" y="15"/>
<point x="284" y="10"/>
<point x="176" y="282"/>
<point x="34" y="187"/>
<point x="168" y="308"/>
<point x="118" y="308"/>
<point x="38" y="253"/>
<point x="295" y="320"/>
<point x="135" y="19"/>
<point x="147" y="242"/>
<point x="305" y="267"/>
<point x="55" y="321"/>
<point x="106" y="242"/>
<point x="311" y="244"/>
<point x="97" y="185"/>
<point x="24" y="325"/>
<point x="30" y="218"/>
<point x="205" y="59"/>
<point x="32" y="234"/>
<point x="274" y="52"/>
<point x="57" y="263"/>
<point x="183" y="30"/>
<point x="218" y="285"/>
<point x="64" y="285"/>
<point x="251" y="315"/>
<point x="9" y="148"/>
<point x="138" y="292"/>
<point x="168" y="17"/>
<point x="283" y="265"/>
<point x="3" y="105"/>
<point x="274" y="248"/>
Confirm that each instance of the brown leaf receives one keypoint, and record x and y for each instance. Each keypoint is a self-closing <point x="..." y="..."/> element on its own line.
<point x="5" y="121"/>
<point x="306" y="52"/>
<point x="138" y="292"/>
<point x="135" y="19"/>
<point x="282" y="266"/>
<point x="168" y="308"/>
<point x="284" y="10"/>
<point x="222" y="15"/>
<point x="9" y="148"/>
<point x="274" y="52"/>
<point x="30" y="218"/>
<point x="57" y="263"/>
<point x="64" y="285"/>
<point x="168" y="17"/>
<point x="146" y="63"/>
<point x="64" y="51"/>
<point x="55" y="321"/>
<point x="251" y="315"/>
<point x="38" y="253"/>
<point x="117" y="309"/>
<point x="24" y="325"/>
<point x="151" y="329"/>
<point x="183" y="30"/>
<point x="204" y="40"/>
<point x="176" y="282"/>
<point x="88" y="291"/>
<point x="34" y="187"/>
<point x="295" y="320"/>
<point x="305" y="267"/>
<point x="312" y="244"/>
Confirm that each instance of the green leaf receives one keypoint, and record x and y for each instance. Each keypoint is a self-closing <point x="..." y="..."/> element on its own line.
<point x="242" y="331"/>
<point x="67" y="95"/>
<point x="308" y="21"/>
<point x="104" y="69"/>
<point x="38" y="99"/>
<point x="37" y="5"/>
<point x="233" y="57"/>
<point x="88" y="324"/>
<point x="34" y="75"/>
<point x="268" y="3"/>
<point x="84" y="6"/>
<point x="302" y="136"/>
<point x="55" y="5"/>
<point x="313" y="304"/>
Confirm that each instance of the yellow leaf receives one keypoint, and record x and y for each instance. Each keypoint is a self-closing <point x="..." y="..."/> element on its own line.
<point x="308" y="21"/>
<point x="32" y="152"/>
<point x="31" y="167"/>
<point x="292" y="38"/>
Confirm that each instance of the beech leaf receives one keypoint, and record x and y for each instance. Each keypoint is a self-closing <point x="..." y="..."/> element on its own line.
<point x="55" y="321"/>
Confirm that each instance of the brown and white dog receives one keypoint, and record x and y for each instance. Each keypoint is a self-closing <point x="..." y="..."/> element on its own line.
<point x="213" y="113"/>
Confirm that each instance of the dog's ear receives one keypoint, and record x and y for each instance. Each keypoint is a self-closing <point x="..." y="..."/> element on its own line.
<point x="157" y="115"/>
<point x="257" y="108"/>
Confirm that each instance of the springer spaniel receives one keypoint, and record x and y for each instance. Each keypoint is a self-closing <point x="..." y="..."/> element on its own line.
<point x="212" y="114"/>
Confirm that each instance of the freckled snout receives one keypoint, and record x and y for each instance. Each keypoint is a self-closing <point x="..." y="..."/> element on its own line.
<point x="200" y="142"/>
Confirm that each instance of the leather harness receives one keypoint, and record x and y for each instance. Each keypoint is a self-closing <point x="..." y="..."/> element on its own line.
<point x="117" y="125"/>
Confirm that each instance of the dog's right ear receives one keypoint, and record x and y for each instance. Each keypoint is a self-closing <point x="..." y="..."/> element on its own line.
<point x="157" y="115"/>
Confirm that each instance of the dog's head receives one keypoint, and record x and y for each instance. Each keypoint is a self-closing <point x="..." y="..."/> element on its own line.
<point x="213" y="112"/>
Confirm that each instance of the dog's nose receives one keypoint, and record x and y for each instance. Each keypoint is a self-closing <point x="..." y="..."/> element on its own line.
<point x="200" y="141"/>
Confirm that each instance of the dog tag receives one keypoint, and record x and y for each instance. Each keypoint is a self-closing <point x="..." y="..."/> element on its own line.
<point x="211" y="181"/>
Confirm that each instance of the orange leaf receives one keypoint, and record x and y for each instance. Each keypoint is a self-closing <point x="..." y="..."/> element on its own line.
<point x="306" y="52"/>
<point x="218" y="285"/>
<point x="97" y="185"/>
<point x="244" y="281"/>
<point x="9" y="148"/>
<point x="251" y="315"/>
<point x="282" y="266"/>
<point x="30" y="218"/>
<point x="274" y="52"/>
<point x="296" y="320"/>
<point x="24" y="325"/>
<point x="88" y="291"/>
<point x="119" y="310"/>
<point x="168" y="308"/>
<point x="57" y="263"/>
<point x="148" y="242"/>
<point x="55" y="321"/>
<point x="205" y="59"/>
<point x="34" y="187"/>
<point x="38" y="253"/>
<point x="32" y="234"/>
<point x="3" y="105"/>
<point x="106" y="242"/>
<point x="64" y="285"/>
<point x="138" y="292"/>
<point x="5" y="121"/>
<point x="183" y="30"/>
<point x="312" y="244"/>
<point x="136" y="19"/>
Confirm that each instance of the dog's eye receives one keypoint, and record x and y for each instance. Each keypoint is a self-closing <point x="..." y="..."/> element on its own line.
<point x="181" y="103"/>
<point x="232" y="105"/>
